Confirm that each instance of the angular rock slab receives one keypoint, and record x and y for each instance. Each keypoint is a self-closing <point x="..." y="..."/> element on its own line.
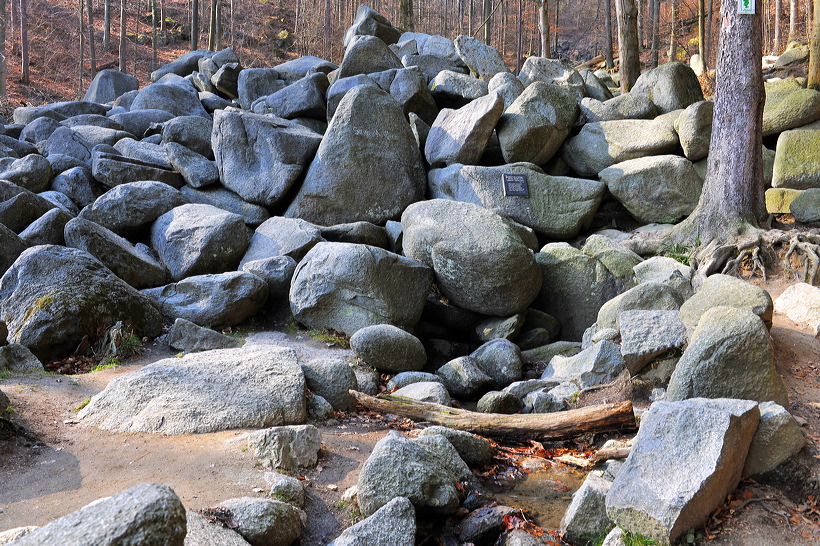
<point x="264" y="521"/>
<point x="671" y="86"/>
<point x="368" y="166"/>
<point x="288" y="447"/>
<point x="52" y="296"/>
<point x="389" y="348"/>
<point x="686" y="458"/>
<point x="778" y="437"/>
<point x="394" y="523"/>
<point x="204" y="392"/>
<point x="730" y="355"/>
<point x="557" y="206"/>
<point x="345" y="287"/>
<point x="144" y="514"/>
<point x="260" y="157"/>
<point x="129" y="206"/>
<point x="801" y="303"/>
<point x="460" y="136"/>
<point x="480" y="262"/>
<point x="719" y="290"/>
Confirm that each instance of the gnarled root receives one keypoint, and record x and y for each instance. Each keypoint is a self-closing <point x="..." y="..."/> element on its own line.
<point x="808" y="245"/>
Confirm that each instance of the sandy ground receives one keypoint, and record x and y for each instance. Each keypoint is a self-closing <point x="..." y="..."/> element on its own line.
<point x="62" y="465"/>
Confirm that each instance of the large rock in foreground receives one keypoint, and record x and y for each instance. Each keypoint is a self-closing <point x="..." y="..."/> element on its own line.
<point x="480" y="262"/>
<point x="204" y="392"/>
<point x="144" y="514"/>
<point x="686" y="458"/>
<point x="346" y="286"/>
<point x="368" y="166"/>
<point x="52" y="296"/>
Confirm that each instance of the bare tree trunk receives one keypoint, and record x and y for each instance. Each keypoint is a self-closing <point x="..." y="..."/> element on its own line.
<point x="162" y="27"/>
<point x="555" y="33"/>
<point x="487" y="11"/>
<point x="327" y="29"/>
<point x="24" y="41"/>
<point x="107" y="25"/>
<point x="708" y="45"/>
<point x="122" y="35"/>
<point x="630" y="61"/>
<point x="792" y="20"/>
<point x="92" y="51"/>
<point x="194" y="25"/>
<point x="814" y="50"/>
<point x="212" y="27"/>
<point x="778" y="21"/>
<point x="81" y="28"/>
<point x="673" y="32"/>
<point x="153" y="35"/>
<point x="702" y="30"/>
<point x="14" y="23"/>
<point x="519" y="49"/>
<point x="610" y="62"/>
<point x="544" y="27"/>
<point x="2" y="48"/>
<point x="406" y="22"/>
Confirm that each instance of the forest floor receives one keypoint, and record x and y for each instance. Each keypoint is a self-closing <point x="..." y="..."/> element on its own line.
<point x="61" y="465"/>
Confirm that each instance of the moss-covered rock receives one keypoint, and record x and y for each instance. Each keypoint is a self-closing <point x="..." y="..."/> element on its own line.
<point x="797" y="158"/>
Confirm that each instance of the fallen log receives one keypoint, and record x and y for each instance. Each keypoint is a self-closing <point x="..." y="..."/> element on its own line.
<point x="597" y="458"/>
<point x="520" y="427"/>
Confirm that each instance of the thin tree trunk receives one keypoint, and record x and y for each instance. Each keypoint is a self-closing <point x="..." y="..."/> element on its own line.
<point x="519" y="46"/>
<point x="153" y="35"/>
<point x="107" y="25"/>
<point x="122" y="35"/>
<point x="406" y="22"/>
<point x="327" y="29"/>
<point x="814" y="50"/>
<point x="92" y="51"/>
<point x="2" y="48"/>
<point x="212" y="26"/>
<point x="555" y="33"/>
<point x="487" y="11"/>
<point x="194" y="25"/>
<point x="792" y="20"/>
<point x="610" y="62"/>
<point x="81" y="28"/>
<point x="673" y="32"/>
<point x="708" y="46"/>
<point x="778" y="22"/>
<point x="702" y="30"/>
<point x="544" y="27"/>
<point x="162" y="26"/>
<point x="630" y="61"/>
<point x="24" y="41"/>
<point x="13" y="24"/>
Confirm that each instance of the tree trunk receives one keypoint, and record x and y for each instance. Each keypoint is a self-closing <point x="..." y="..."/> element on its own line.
<point x="24" y="41"/>
<point x="519" y="44"/>
<point x="487" y="12"/>
<point x="212" y="26"/>
<point x="92" y="51"/>
<point x="702" y="30"/>
<point x="673" y="32"/>
<point x="520" y="427"/>
<point x="153" y="35"/>
<point x="778" y="22"/>
<point x="792" y="20"/>
<point x="732" y="197"/>
<point x="708" y="44"/>
<point x="327" y="29"/>
<point x="2" y="48"/>
<point x="610" y="62"/>
<point x="555" y="33"/>
<point x="106" y="25"/>
<point x="81" y="28"/>
<point x="630" y="61"/>
<point x="194" y="25"/>
<point x="122" y="35"/>
<point x="814" y="50"/>
<point x="406" y="22"/>
<point x="544" y="27"/>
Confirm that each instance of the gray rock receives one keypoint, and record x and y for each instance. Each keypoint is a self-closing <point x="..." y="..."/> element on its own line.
<point x="202" y="533"/>
<point x="345" y="287"/>
<point x="474" y="450"/>
<point x="402" y="379"/>
<point x="665" y="487"/>
<point x="495" y="274"/>
<point x="225" y="80"/>
<point x="801" y="303"/>
<point x="806" y="207"/>
<point x="199" y="239"/>
<point x="288" y="447"/>
<point x="129" y="206"/>
<point x="793" y="55"/>
<point x="285" y="488"/>
<point x="332" y="379"/>
<point x="506" y="85"/>
<point x="499" y="402"/>
<point x="500" y="359"/>
<point x="10" y="535"/>
<point x="694" y="127"/>
<point x="68" y="142"/>
<point x="264" y="522"/>
<point x="719" y="290"/>
<point x="483" y="525"/>
<point x="11" y="246"/>
<point x="645" y="296"/>
<point x="362" y="233"/>
<point x="599" y="364"/>
<point x="535" y="125"/>
<point x="32" y="172"/>
<point x="484" y="61"/>
<point x="223" y="299"/>
<point x="183" y="65"/>
<point x="552" y="71"/>
<point x="366" y="55"/>
<point x="778" y="437"/>
<point x="196" y="169"/>
<point x="53" y="296"/>
<point x="425" y="470"/>
<point x="58" y="110"/>
<point x="646" y="335"/>
<point x="279" y="236"/>
<point x="276" y="271"/>
<point x="61" y="201"/>
<point x="506" y="328"/>
<point x="789" y="109"/>
<point x="193" y="132"/>
<point x="254" y="83"/>
<point x="18" y="359"/>
<point x="179" y="97"/>
<point x="39" y="129"/>
<point x="595" y="88"/>
<point x="452" y="89"/>
<point x="20" y="210"/>
<point x="394" y="523"/>
<point x="557" y="206"/>
<point x="389" y="348"/>
<point x="190" y="338"/>
<point x="303" y="99"/>
<point x="138" y="122"/>
<point x="549" y="401"/>
<point x="460" y="136"/>
<point x="319" y="409"/>
<point x="370" y="22"/>
<point x="426" y="391"/>
<point x="602" y="144"/>
<point x="48" y="229"/>
<point x="260" y="157"/>
<point x="409" y="88"/>
<point x="195" y="394"/>
<point x="463" y="378"/>
<point x="112" y="170"/>
<point x="109" y="84"/>
<point x="795" y="160"/>
<point x="144" y="514"/>
<point x="730" y="355"/>
<point x="585" y="518"/>
<point x="296" y="69"/>
<point x="670" y="86"/>
<point x="660" y="189"/>
<point x="545" y="353"/>
<point x="219" y="197"/>
<point x="668" y="271"/>
<point x="368" y="132"/>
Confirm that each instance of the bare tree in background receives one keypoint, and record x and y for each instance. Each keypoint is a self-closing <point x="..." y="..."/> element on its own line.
<point x="2" y="48"/>
<point x="24" y="41"/>
<point x="487" y="4"/>
<point x="106" y="25"/>
<point x="702" y="30"/>
<point x="778" y="21"/>
<point x="814" y="50"/>
<point x="653" y="56"/>
<point x="544" y="27"/>
<point x="630" y="61"/>
<point x="792" y="20"/>
<point x="92" y="51"/>
<point x="194" y="25"/>
<point x="213" y="27"/>
<point x="122" y="35"/>
<point x="610" y="62"/>
<point x="153" y="35"/>
<point x="406" y="22"/>
<point x="673" y="32"/>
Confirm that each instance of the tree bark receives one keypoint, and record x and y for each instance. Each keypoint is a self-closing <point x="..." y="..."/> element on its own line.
<point x="153" y="35"/>
<point x="702" y="30"/>
<point x="106" y="25"/>
<point x="544" y="27"/>
<point x="81" y="29"/>
<point x="327" y="29"/>
<point x="708" y="43"/>
<point x="519" y="44"/>
<point x="630" y="60"/>
<point x="406" y="22"/>
<point x="653" y="57"/>
<point x="92" y="51"/>
<point x="487" y="4"/>
<point x="528" y="426"/>
<point x="673" y="32"/>
<point x="778" y="22"/>
<point x="122" y="35"/>
<point x="792" y="20"/>
<point x="610" y="62"/>
<point x="2" y="48"/>
<point x="212" y="26"/>
<point x="194" y="25"/>
<point x="557" y="26"/>
<point x="814" y="50"/>
<point x="24" y="41"/>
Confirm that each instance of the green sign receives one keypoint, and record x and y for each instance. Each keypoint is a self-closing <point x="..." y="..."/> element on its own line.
<point x="746" y="7"/>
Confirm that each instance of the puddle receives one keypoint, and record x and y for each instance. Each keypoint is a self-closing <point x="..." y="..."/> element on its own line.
<point x="544" y="492"/>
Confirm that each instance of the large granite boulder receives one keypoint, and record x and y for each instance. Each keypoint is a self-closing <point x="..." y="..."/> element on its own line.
<point x="797" y="158"/>
<point x="260" y="157"/>
<point x="552" y="71"/>
<point x="370" y="22"/>
<point x="730" y="355"/>
<point x="557" y="206"/>
<point x="801" y="303"/>
<point x="52" y="297"/>
<point x="789" y="106"/>
<point x="264" y="522"/>
<point x="460" y="136"/>
<point x="670" y="86"/>
<point x="279" y="236"/>
<point x="367" y="140"/>
<point x="366" y="55"/>
<point x="144" y="514"/>
<point x="483" y="60"/>
<point x="204" y="392"/>
<point x="389" y="348"/>
<point x="394" y="523"/>
<point x="346" y="287"/>
<point x="718" y="290"/>
<point x="480" y="262"/>
<point x="694" y="127"/>
<point x="108" y="85"/>
<point x="129" y="206"/>
<point x="686" y="458"/>
<point x="178" y="96"/>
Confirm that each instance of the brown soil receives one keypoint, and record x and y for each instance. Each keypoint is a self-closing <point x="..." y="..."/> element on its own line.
<point x="61" y="465"/>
